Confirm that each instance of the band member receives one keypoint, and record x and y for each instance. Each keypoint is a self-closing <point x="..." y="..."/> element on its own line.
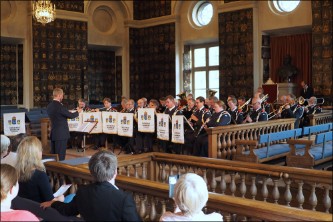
<point x="292" y="110"/>
<point x="197" y="119"/>
<point x="76" y="137"/>
<point x="122" y="107"/>
<point x="220" y="117"/>
<point x="188" y="110"/>
<point x="241" y="104"/>
<point x="145" y="102"/>
<point x="162" y="107"/>
<point x="148" y="143"/>
<point x="140" y="136"/>
<point x="212" y="101"/>
<point x="100" y="139"/>
<point x="265" y="105"/>
<point x="258" y="114"/>
<point x="189" y="96"/>
<point x="171" y="110"/>
<point x="236" y="116"/>
<point x="311" y="108"/>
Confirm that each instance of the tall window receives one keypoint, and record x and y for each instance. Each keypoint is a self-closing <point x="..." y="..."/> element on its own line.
<point x="205" y="69"/>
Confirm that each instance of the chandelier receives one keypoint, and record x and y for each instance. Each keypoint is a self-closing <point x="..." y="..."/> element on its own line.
<point x="43" y="11"/>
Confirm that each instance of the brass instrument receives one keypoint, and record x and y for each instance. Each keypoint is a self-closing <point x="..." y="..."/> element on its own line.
<point x="189" y="123"/>
<point x="281" y="108"/>
<point x="245" y="104"/>
<point x="300" y="100"/>
<point x="202" y="126"/>
<point x="264" y="98"/>
<point x="194" y="110"/>
<point x="211" y="92"/>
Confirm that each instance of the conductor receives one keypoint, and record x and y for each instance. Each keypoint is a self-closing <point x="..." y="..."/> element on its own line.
<point x="59" y="127"/>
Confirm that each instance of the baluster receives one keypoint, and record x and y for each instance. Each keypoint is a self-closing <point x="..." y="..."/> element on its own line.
<point x="264" y="190"/>
<point x="204" y="171"/>
<point x="313" y="196"/>
<point x="300" y="196"/>
<point x="327" y="199"/>
<point x="187" y="168"/>
<point x="178" y="169"/>
<point x="213" y="183"/>
<point x="276" y="192"/>
<point x="227" y="217"/>
<point x="223" y="184"/>
<point x="242" y="187"/>
<point x="128" y="171"/>
<point x="152" y="215"/>
<point x="120" y="169"/>
<point x="233" y="143"/>
<point x="163" y="207"/>
<point x="72" y="188"/>
<point x="144" y="170"/>
<point x="57" y="184"/>
<point x="52" y="180"/>
<point x="163" y="175"/>
<point x="251" y="134"/>
<point x="135" y="166"/>
<point x="224" y="145"/>
<point x="228" y="147"/>
<point x="219" y="147"/>
<point x="287" y="194"/>
<point x="170" y="169"/>
<point x="142" y="211"/>
<point x="232" y="184"/>
<point x="253" y="187"/>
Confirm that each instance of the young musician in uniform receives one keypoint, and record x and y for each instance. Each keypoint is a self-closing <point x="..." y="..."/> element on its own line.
<point x="197" y="119"/>
<point x="76" y="137"/>
<point x="258" y="114"/>
<point x="236" y="116"/>
<point x="220" y="117"/>
<point x="100" y="139"/>
<point x="171" y="109"/>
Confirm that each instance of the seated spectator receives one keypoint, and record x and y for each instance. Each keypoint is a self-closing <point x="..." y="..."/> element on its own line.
<point x="5" y="142"/>
<point x="102" y="200"/>
<point x="12" y="156"/>
<point x="9" y="190"/>
<point x="190" y="196"/>
<point x="34" y="183"/>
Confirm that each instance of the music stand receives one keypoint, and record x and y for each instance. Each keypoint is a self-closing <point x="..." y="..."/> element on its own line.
<point x="86" y="128"/>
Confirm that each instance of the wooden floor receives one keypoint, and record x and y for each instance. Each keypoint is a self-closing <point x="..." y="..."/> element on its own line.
<point x="73" y="153"/>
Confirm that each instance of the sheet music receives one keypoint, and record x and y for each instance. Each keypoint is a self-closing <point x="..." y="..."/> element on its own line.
<point x="62" y="190"/>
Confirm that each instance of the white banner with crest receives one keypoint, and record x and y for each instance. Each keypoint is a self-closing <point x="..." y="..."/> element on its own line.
<point x="146" y="120"/>
<point x="94" y="116"/>
<point x="13" y="123"/>
<point x="75" y="123"/>
<point x="110" y="122"/>
<point x="125" y="124"/>
<point x="162" y="127"/>
<point x="178" y="129"/>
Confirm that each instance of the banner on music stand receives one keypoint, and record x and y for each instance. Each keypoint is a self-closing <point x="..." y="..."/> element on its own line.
<point x="13" y="123"/>
<point x="96" y="117"/>
<point x="146" y="120"/>
<point x="125" y="124"/>
<point x="110" y="122"/>
<point x="75" y="123"/>
<point x="177" y="129"/>
<point x="162" y="127"/>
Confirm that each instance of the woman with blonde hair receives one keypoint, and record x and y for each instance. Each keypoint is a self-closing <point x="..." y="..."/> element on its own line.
<point x="9" y="190"/>
<point x="34" y="183"/>
<point x="190" y="196"/>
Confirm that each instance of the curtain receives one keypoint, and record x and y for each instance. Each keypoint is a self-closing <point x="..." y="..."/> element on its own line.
<point x="299" y="48"/>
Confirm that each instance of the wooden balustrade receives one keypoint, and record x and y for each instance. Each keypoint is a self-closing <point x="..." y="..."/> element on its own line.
<point x="295" y="187"/>
<point x="152" y="199"/>
<point x="45" y="133"/>
<point x="221" y="139"/>
<point x="326" y="116"/>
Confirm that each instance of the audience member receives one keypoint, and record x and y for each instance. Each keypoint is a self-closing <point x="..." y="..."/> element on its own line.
<point x="102" y="200"/>
<point x="9" y="190"/>
<point x="12" y="156"/>
<point x="34" y="183"/>
<point x="5" y="142"/>
<point x="190" y="196"/>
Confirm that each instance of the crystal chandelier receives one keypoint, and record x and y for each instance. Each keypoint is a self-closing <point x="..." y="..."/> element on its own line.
<point x="43" y="11"/>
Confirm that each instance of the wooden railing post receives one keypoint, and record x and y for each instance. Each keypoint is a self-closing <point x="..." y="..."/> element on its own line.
<point x="44" y="124"/>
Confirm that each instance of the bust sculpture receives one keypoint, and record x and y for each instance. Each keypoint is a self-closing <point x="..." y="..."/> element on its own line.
<point x="287" y="71"/>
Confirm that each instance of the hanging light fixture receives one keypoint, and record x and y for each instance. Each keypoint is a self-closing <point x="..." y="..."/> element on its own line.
<point x="43" y="11"/>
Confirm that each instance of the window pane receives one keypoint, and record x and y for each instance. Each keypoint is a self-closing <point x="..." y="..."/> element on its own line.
<point x="200" y="92"/>
<point x="214" y="56"/>
<point x="205" y="13"/>
<point x="214" y="79"/>
<point x="199" y="57"/>
<point x="200" y="80"/>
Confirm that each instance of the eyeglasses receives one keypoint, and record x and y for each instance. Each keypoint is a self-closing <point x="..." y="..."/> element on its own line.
<point x="254" y="103"/>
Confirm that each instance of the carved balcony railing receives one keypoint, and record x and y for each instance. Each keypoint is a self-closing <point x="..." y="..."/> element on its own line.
<point x="221" y="139"/>
<point x="295" y="187"/>
<point x="326" y="116"/>
<point x="152" y="199"/>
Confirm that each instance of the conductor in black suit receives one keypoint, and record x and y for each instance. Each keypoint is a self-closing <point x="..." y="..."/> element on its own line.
<point x="102" y="200"/>
<point x="59" y="127"/>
